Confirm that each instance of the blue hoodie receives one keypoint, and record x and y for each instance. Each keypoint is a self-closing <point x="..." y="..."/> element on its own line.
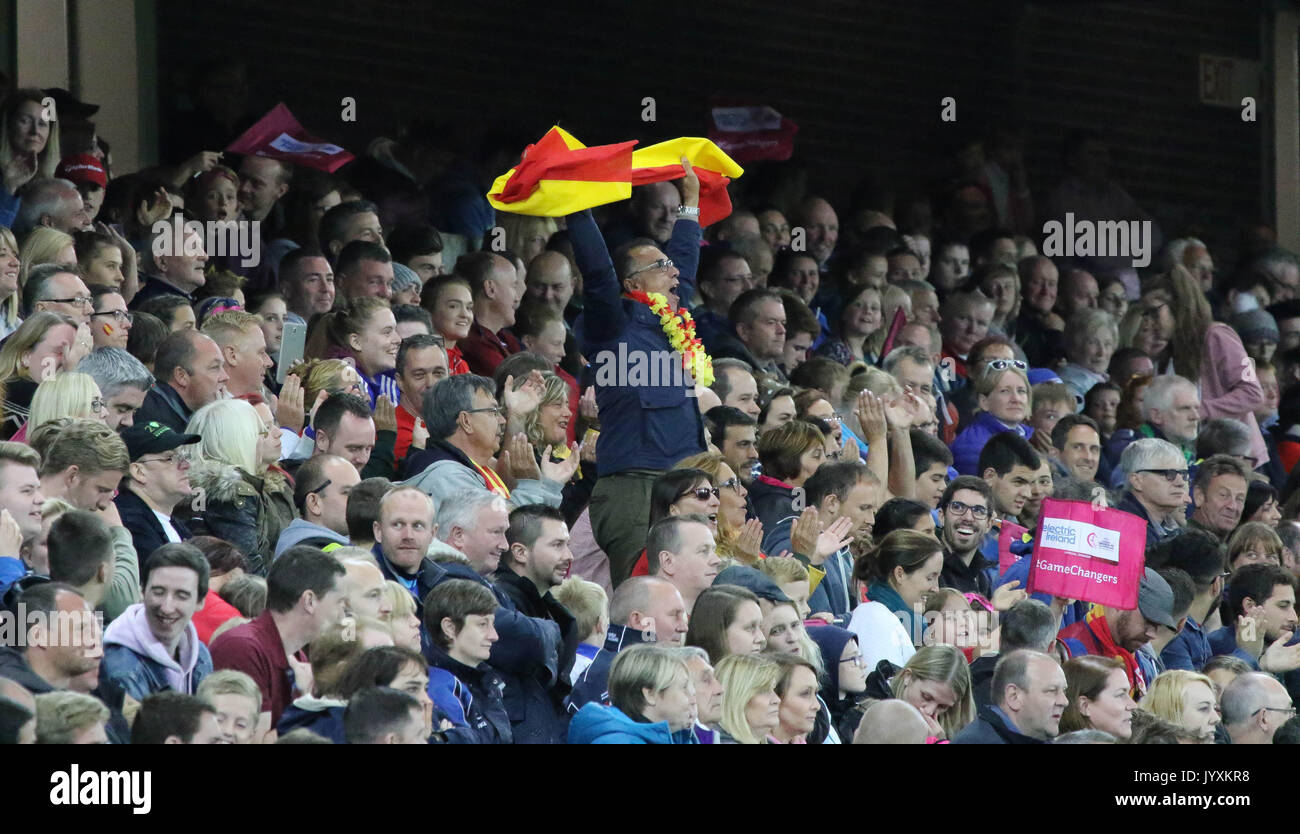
<point x="597" y="724"/>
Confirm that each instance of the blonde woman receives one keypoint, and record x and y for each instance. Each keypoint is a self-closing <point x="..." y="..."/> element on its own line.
<point x="402" y="619"/>
<point x="793" y="578"/>
<point x="652" y="699"/>
<point x="68" y="394"/>
<point x="242" y="500"/>
<point x="936" y="680"/>
<point x="10" y="273"/>
<point x="42" y="346"/>
<point x="1004" y="402"/>
<point x="751" y="709"/>
<point x="44" y="245"/>
<point x="1186" y="699"/>
<point x="526" y="236"/>
<point x="738" y="538"/>
<point x="29" y="142"/>
<point x="892" y="300"/>
<point x="331" y="376"/>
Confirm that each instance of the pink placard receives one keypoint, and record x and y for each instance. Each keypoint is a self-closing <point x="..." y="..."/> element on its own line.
<point x="1088" y="554"/>
<point x="278" y="135"/>
<point x="1010" y="532"/>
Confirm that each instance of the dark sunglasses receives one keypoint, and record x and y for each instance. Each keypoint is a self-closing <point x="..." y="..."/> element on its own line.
<point x="701" y="493"/>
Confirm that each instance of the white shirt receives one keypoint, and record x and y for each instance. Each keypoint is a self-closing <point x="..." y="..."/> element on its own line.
<point x="168" y="530"/>
<point x="881" y="635"/>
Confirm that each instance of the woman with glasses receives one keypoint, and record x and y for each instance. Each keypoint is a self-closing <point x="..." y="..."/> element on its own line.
<point x="68" y="394"/>
<point x="1186" y="699"/>
<point x="244" y="500"/>
<point x="110" y="324"/>
<point x="845" y="676"/>
<point x="1004" y="404"/>
<point x="898" y="573"/>
<point x="738" y="538"/>
<point x="681" y="492"/>
<point x="1208" y="353"/>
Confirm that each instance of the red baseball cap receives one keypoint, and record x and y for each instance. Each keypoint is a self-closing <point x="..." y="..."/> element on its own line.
<point x="82" y="168"/>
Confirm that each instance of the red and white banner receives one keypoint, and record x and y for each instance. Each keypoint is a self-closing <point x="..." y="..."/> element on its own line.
<point x="751" y="133"/>
<point x="278" y="135"/>
<point x="1084" y="553"/>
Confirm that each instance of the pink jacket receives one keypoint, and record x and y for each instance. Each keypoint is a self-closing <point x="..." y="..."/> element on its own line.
<point x="1228" y="384"/>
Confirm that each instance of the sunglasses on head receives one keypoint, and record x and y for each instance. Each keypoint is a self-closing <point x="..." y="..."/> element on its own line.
<point x="1003" y="364"/>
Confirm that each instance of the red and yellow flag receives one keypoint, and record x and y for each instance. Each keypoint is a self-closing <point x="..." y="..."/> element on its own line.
<point x="559" y="175"/>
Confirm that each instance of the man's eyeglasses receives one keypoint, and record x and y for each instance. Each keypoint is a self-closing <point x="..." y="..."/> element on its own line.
<point x="177" y="458"/>
<point x="119" y="315"/>
<point x="662" y="263"/>
<point x="857" y="660"/>
<point x="80" y="300"/>
<point x="700" y="493"/>
<point x="979" y="512"/>
<point x="1003" y="364"/>
<point x="1170" y="475"/>
<point x="492" y="409"/>
<point x="1290" y="711"/>
<point x="318" y="490"/>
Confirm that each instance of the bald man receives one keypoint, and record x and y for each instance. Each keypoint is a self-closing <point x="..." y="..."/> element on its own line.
<point x="892" y="722"/>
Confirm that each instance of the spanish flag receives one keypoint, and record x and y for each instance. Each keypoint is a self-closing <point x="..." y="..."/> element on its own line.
<point x="559" y="175"/>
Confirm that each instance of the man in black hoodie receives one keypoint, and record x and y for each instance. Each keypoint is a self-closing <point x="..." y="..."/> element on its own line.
<point x="538" y="558"/>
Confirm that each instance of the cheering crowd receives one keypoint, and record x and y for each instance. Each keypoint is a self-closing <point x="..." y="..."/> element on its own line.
<point x="413" y="469"/>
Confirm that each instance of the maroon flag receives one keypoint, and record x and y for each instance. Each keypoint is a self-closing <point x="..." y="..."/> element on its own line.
<point x="750" y="133"/>
<point x="279" y="136"/>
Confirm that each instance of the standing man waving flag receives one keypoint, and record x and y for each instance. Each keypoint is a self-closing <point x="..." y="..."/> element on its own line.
<point x="649" y="416"/>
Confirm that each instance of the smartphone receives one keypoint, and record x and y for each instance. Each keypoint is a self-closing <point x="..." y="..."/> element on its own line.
<point x="292" y="342"/>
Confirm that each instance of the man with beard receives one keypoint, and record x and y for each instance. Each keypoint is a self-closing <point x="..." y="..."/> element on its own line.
<point x="966" y="512"/>
<point x="1112" y="632"/>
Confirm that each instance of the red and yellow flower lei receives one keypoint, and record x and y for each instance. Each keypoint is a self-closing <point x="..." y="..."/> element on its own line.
<point x="679" y="327"/>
